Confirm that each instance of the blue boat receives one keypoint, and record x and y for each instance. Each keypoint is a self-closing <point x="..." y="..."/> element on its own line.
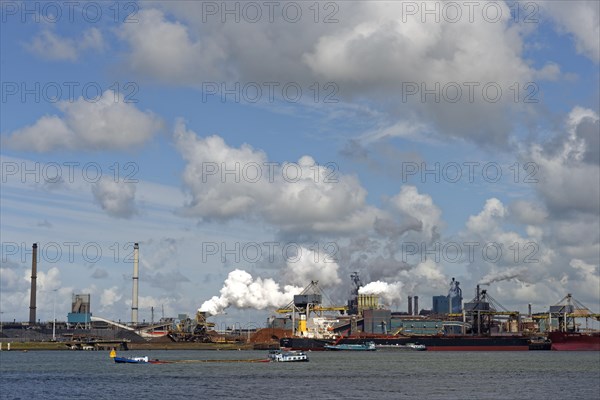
<point x="131" y="360"/>
<point x="367" y="346"/>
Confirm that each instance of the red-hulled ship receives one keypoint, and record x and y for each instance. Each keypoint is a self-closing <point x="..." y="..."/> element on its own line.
<point x="568" y="336"/>
<point x="575" y="341"/>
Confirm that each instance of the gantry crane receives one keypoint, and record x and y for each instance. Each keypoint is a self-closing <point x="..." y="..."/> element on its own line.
<point x="566" y="312"/>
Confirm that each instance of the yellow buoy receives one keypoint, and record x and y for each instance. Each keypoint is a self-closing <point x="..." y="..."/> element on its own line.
<point x="113" y="353"/>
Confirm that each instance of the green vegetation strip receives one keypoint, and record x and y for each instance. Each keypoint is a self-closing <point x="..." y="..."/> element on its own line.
<point x="20" y="346"/>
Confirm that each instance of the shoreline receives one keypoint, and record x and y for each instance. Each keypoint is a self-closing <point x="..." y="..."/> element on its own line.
<point x="60" y="346"/>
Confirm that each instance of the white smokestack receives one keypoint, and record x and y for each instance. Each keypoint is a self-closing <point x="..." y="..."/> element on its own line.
<point x="136" y="273"/>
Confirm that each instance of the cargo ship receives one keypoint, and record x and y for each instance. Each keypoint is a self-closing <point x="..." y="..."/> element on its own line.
<point x="432" y="343"/>
<point x="568" y="336"/>
<point x="575" y="341"/>
<point x="450" y="342"/>
<point x="304" y="344"/>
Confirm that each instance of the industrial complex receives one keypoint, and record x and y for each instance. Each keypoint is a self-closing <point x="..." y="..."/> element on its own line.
<point x="312" y="322"/>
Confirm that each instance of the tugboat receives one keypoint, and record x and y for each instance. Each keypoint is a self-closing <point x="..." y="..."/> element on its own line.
<point x="287" y="356"/>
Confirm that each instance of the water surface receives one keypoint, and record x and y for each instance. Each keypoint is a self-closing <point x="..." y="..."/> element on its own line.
<point x="329" y="375"/>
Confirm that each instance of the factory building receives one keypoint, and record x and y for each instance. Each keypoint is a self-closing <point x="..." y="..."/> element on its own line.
<point x="450" y="304"/>
<point x="377" y="321"/>
<point x="441" y="304"/>
<point x="80" y="314"/>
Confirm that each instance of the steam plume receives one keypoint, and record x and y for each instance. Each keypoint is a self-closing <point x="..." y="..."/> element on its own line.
<point x="242" y="291"/>
<point x="500" y="276"/>
<point x="388" y="292"/>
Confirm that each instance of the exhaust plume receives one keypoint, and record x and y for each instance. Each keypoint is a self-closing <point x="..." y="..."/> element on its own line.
<point x="241" y="290"/>
<point x="388" y="292"/>
<point x="500" y="276"/>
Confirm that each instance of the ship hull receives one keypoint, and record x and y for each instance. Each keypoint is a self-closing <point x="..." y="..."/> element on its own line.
<point x="562" y="341"/>
<point x="452" y="343"/>
<point x="305" y="344"/>
<point x="432" y="343"/>
<point x="479" y="348"/>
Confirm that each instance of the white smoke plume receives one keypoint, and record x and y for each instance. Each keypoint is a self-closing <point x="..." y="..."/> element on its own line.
<point x="241" y="290"/>
<point x="388" y="292"/>
<point x="509" y="274"/>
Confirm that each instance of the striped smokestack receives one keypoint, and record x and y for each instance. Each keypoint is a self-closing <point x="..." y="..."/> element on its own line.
<point x="32" y="301"/>
<point x="136" y="272"/>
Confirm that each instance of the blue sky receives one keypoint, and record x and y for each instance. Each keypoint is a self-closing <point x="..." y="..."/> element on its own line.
<point x="161" y="118"/>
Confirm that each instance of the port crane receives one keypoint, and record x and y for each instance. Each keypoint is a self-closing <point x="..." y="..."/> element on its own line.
<point x="309" y="301"/>
<point x="566" y="311"/>
<point x="481" y="312"/>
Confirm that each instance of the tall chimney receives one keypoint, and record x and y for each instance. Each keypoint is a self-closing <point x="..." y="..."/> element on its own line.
<point x="136" y="273"/>
<point x="32" y="301"/>
<point x="416" y="305"/>
<point x="410" y="312"/>
<point x="529" y="310"/>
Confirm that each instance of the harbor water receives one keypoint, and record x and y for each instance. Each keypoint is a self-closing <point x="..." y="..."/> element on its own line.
<point x="329" y="375"/>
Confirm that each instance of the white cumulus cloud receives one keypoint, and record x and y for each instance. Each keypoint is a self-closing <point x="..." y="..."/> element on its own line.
<point x="296" y="197"/>
<point x="51" y="46"/>
<point x="419" y="206"/>
<point x="309" y="265"/>
<point x="581" y="19"/>
<point x="116" y="198"/>
<point x="106" y="123"/>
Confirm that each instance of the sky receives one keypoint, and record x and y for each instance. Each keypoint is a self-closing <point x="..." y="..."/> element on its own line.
<point x="252" y="147"/>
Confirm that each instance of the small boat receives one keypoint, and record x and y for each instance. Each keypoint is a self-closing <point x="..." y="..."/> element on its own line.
<point x="287" y="356"/>
<point x="131" y="360"/>
<point x="367" y="346"/>
<point x="407" y="346"/>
